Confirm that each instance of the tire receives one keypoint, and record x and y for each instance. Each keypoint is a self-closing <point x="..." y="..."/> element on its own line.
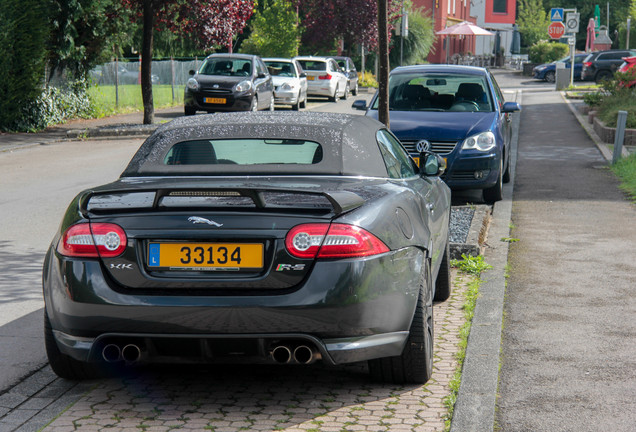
<point x="495" y="193"/>
<point x="271" y="104"/>
<point x="334" y="98"/>
<point x="549" y="76"/>
<point x="189" y="111"/>
<point x="603" y="76"/>
<point x="355" y="90"/>
<point x="415" y="364"/>
<point x="65" y="366"/>
<point x="345" y="96"/>
<point x="254" y="106"/>
<point x="443" y="282"/>
<point x="506" y="174"/>
<point x="303" y="104"/>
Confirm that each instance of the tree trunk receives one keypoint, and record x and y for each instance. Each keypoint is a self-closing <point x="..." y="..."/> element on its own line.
<point x="146" y="62"/>
<point x="383" y="54"/>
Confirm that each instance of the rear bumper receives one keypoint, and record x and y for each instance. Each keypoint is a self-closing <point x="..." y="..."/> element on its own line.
<point x="351" y="310"/>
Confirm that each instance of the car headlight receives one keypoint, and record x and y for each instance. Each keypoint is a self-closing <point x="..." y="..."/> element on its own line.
<point x="483" y="142"/>
<point x="287" y="87"/>
<point x="243" y="86"/>
<point x="193" y="84"/>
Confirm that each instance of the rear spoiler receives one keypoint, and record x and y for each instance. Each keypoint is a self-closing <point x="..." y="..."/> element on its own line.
<point x="104" y="200"/>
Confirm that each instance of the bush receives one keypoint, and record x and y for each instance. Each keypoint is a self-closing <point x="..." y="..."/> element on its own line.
<point x="546" y="52"/>
<point x="51" y="107"/>
<point x="367" y="79"/>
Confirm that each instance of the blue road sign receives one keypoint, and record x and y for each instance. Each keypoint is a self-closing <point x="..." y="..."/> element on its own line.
<point x="556" y="14"/>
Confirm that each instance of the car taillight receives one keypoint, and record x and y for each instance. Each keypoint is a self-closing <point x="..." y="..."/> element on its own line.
<point x="324" y="77"/>
<point x="587" y="64"/>
<point x="332" y="241"/>
<point x="93" y="240"/>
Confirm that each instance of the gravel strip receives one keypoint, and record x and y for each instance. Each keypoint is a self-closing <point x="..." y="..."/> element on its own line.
<point x="460" y="220"/>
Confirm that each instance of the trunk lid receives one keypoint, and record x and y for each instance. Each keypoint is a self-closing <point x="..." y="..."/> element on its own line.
<point x="211" y="236"/>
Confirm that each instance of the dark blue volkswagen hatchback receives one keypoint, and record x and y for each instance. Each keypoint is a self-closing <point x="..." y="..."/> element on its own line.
<point x="457" y="112"/>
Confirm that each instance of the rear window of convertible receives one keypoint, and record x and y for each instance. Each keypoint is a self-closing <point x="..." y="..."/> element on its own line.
<point x="244" y="152"/>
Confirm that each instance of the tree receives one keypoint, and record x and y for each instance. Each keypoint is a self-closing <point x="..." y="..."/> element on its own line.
<point x="419" y="41"/>
<point x="214" y="23"/>
<point x="533" y="21"/>
<point x="352" y="22"/>
<point x="81" y="31"/>
<point x="275" y="31"/>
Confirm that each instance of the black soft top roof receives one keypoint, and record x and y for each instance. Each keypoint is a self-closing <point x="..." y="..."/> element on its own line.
<point x="348" y="142"/>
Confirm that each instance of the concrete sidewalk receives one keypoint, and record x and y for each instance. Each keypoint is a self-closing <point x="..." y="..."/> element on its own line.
<point x="568" y="353"/>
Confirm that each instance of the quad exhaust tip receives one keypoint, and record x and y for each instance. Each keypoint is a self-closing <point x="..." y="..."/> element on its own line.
<point x="301" y="354"/>
<point x="129" y="353"/>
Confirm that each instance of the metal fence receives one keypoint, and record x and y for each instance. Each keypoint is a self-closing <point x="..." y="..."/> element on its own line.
<point x="164" y="72"/>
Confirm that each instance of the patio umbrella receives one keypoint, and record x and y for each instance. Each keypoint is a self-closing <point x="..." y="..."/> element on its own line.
<point x="465" y="28"/>
<point x="591" y="35"/>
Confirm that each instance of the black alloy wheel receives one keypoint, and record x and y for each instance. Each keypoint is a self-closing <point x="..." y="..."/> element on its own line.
<point x="415" y="364"/>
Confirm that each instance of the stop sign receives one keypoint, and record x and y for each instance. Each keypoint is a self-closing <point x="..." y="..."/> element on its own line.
<point x="556" y="30"/>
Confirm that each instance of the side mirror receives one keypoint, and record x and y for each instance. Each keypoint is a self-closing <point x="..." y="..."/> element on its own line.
<point x="262" y="75"/>
<point x="303" y="75"/>
<point x="360" y="105"/>
<point x="509" y="107"/>
<point x="431" y="165"/>
<point x="192" y="72"/>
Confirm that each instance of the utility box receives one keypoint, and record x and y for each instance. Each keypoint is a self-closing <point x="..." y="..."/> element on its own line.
<point x="562" y="78"/>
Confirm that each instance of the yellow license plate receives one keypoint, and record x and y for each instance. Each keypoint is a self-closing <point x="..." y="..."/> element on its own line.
<point x="417" y="161"/>
<point x="205" y="256"/>
<point x="214" y="100"/>
<point x="310" y="78"/>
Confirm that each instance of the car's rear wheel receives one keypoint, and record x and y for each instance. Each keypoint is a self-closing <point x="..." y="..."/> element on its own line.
<point x="603" y="76"/>
<point x="254" y="106"/>
<point x="271" y="104"/>
<point x="443" y="281"/>
<point x="65" y="366"/>
<point x="334" y="98"/>
<point x="355" y="90"/>
<point x="303" y="104"/>
<point x="345" y="96"/>
<point x="495" y="193"/>
<point x="549" y="76"/>
<point x="415" y="364"/>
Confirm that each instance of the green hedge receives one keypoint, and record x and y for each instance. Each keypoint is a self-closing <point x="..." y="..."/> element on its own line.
<point x="546" y="52"/>
<point x="23" y="37"/>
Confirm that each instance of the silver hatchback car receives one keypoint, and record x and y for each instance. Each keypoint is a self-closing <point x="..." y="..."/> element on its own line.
<point x="324" y="77"/>
<point x="290" y="82"/>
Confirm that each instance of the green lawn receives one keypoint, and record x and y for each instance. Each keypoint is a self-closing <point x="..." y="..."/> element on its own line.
<point x="105" y="101"/>
<point x="625" y="169"/>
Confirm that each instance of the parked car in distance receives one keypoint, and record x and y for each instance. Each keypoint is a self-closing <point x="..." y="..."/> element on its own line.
<point x="547" y="71"/>
<point x="458" y="112"/>
<point x="324" y="77"/>
<point x="349" y="69"/>
<point x="601" y="65"/>
<point x="289" y="238"/>
<point x="229" y="82"/>
<point x="290" y="82"/>
<point x="629" y="66"/>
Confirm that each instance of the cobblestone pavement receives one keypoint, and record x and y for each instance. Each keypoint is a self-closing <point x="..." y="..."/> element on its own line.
<point x="242" y="397"/>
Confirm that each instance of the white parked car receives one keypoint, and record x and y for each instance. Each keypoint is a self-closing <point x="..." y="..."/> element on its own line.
<point x="324" y="77"/>
<point x="290" y="82"/>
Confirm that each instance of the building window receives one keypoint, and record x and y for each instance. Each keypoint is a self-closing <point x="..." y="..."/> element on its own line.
<point x="500" y="6"/>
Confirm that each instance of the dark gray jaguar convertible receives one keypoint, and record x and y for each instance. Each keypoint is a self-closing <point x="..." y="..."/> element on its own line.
<point x="254" y="237"/>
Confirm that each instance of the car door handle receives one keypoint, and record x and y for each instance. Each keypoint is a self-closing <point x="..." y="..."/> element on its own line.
<point x="430" y="207"/>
